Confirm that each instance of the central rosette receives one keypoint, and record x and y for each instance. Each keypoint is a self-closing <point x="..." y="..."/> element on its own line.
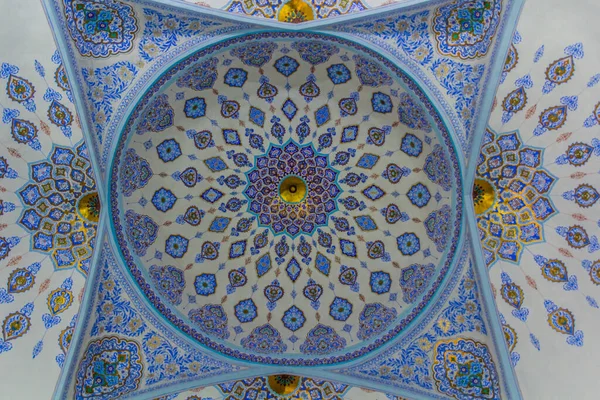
<point x="292" y="189"/>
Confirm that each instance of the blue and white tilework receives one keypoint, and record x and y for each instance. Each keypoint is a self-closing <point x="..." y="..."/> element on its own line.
<point x="449" y="46"/>
<point x="548" y="296"/>
<point x="123" y="348"/>
<point x="45" y="172"/>
<point x="221" y="132"/>
<point x="137" y="39"/>
<point x="202" y="236"/>
<point x="446" y="352"/>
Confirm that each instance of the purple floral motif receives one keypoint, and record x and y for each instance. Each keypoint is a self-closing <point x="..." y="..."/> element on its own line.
<point x="374" y="319"/>
<point x="211" y="319"/>
<point x="141" y="231"/>
<point x="322" y="340"/>
<point x="264" y="340"/>
<point x="101" y="29"/>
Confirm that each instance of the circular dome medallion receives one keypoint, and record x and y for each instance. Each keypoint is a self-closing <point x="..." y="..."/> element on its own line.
<point x="292" y="189"/>
<point x="287" y="198"/>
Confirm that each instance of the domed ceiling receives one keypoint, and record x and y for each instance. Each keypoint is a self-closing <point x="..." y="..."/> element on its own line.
<point x="538" y="245"/>
<point x="287" y="194"/>
<point x="268" y="198"/>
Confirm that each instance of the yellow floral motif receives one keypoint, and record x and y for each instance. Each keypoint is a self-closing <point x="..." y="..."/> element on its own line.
<point x="125" y="74"/>
<point x="407" y="371"/>
<point x="442" y="70"/>
<point x="107" y="308"/>
<point x="154" y="342"/>
<point x="296" y="11"/>
<point x="134" y="324"/>
<point x="471" y="307"/>
<point x="465" y="113"/>
<point x="171" y="369"/>
<point x="194" y="366"/>
<point x="109" y="285"/>
<point x="379" y="27"/>
<point x="100" y="117"/>
<point x="402" y="26"/>
<point x="151" y="49"/>
<point x="424" y="344"/>
<point x="444" y="324"/>
<point x="421" y="53"/>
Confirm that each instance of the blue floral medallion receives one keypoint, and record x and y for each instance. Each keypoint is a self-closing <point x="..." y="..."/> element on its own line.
<point x="465" y="369"/>
<point x="111" y="368"/>
<point x="465" y="29"/>
<point x="101" y="29"/>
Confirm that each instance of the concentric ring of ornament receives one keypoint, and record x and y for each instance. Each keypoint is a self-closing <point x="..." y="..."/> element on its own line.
<point x="196" y="212"/>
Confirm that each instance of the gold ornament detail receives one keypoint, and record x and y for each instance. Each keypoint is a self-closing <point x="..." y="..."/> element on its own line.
<point x="292" y="189"/>
<point x="89" y="207"/>
<point x="484" y="195"/>
<point x="283" y="385"/>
